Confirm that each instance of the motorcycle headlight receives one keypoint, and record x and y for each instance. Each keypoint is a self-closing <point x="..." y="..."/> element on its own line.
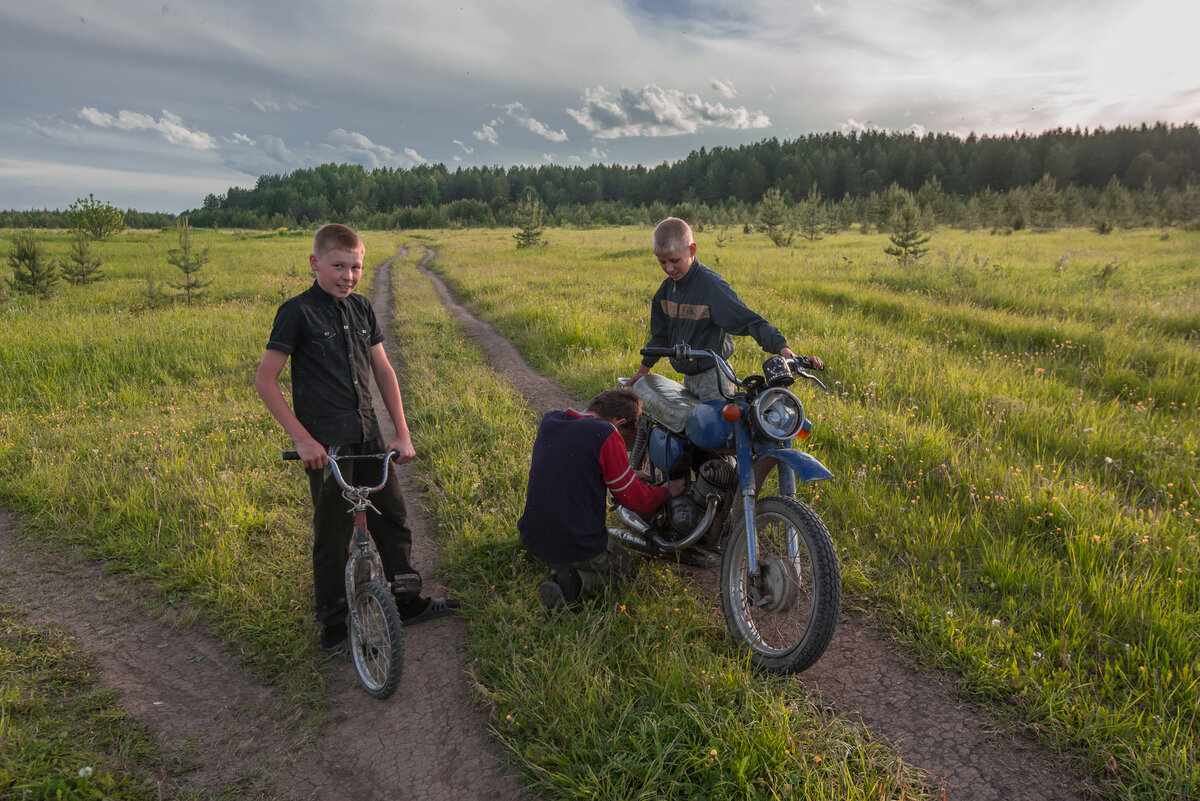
<point x="778" y="414"/>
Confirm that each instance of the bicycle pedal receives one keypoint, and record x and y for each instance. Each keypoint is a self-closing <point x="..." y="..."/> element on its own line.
<point x="406" y="584"/>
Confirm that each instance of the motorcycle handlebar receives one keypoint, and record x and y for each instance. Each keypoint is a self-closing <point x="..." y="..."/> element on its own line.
<point x="682" y="351"/>
<point x="799" y="365"/>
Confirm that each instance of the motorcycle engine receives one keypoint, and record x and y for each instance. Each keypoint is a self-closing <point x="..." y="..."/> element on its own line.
<point x="715" y="477"/>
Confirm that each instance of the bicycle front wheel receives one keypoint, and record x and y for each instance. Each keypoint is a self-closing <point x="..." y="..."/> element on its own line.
<point x="376" y="639"/>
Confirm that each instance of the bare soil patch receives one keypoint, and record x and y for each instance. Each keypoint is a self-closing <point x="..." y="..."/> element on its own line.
<point x="966" y="752"/>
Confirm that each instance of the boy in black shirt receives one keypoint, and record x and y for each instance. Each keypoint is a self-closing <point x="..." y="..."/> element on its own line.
<point x="336" y="347"/>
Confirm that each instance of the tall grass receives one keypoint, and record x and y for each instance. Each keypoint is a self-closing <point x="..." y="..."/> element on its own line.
<point x="129" y="427"/>
<point x="641" y="691"/>
<point x="1013" y="426"/>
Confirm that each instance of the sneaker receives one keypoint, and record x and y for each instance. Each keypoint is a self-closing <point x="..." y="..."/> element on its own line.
<point x="334" y="638"/>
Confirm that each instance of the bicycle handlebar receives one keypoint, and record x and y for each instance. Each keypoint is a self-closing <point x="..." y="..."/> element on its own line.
<point x="337" y="473"/>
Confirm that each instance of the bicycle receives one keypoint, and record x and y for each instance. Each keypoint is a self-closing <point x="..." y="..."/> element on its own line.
<point x="376" y="632"/>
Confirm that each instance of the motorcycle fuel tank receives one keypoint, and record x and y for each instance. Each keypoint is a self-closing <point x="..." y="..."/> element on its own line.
<point x="707" y="429"/>
<point x="665" y="449"/>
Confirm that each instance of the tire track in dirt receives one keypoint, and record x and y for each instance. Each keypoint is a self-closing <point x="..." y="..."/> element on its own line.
<point x="863" y="679"/>
<point x="427" y="742"/>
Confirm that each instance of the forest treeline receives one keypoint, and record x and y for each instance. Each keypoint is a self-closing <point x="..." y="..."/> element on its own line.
<point x="1120" y="177"/>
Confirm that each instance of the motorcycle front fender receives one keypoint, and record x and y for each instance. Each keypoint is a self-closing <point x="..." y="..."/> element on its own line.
<point x="806" y="466"/>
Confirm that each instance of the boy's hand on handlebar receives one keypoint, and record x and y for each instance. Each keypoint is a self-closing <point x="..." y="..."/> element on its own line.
<point x="312" y="454"/>
<point x="816" y="362"/>
<point x="404" y="450"/>
<point x="676" y="487"/>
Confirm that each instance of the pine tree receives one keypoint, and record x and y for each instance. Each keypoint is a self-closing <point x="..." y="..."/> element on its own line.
<point x="528" y="218"/>
<point x="189" y="260"/>
<point x="907" y="238"/>
<point x="81" y="267"/>
<point x="33" y="272"/>
<point x="775" y="219"/>
<point x="1044" y="204"/>
<point x="812" y="216"/>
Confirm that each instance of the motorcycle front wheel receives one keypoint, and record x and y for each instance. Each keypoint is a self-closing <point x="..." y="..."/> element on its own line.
<point x="785" y="616"/>
<point x="376" y="639"/>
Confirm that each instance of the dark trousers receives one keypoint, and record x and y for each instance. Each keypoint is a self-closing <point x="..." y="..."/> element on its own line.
<point x="333" y="528"/>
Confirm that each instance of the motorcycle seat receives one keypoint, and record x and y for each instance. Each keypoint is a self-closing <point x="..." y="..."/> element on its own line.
<point x="665" y="400"/>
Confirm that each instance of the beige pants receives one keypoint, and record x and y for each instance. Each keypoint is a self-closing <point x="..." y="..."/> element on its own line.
<point x="705" y="385"/>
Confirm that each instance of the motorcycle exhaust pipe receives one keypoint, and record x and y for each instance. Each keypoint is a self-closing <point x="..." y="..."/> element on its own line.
<point x="640" y="534"/>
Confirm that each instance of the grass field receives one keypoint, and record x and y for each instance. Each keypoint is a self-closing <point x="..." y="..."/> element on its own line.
<point x="1012" y="426"/>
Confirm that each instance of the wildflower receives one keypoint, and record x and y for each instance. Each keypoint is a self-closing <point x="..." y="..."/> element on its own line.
<point x="85" y="772"/>
<point x="712" y="752"/>
<point x="995" y="623"/>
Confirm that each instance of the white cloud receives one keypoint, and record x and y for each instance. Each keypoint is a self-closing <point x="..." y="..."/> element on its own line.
<point x="274" y="147"/>
<point x="654" y="111"/>
<point x="169" y="125"/>
<point x="357" y="148"/>
<point x="487" y="134"/>
<point x="518" y="112"/>
<point x="467" y="150"/>
<point x="274" y="106"/>
<point x="725" y="89"/>
<point x="598" y="154"/>
<point x="854" y="126"/>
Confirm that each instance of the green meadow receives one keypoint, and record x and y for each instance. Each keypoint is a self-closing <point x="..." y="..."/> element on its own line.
<point x="1011" y="422"/>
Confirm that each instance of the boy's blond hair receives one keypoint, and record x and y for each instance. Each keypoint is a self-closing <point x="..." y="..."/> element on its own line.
<point x="671" y="235"/>
<point x="333" y="236"/>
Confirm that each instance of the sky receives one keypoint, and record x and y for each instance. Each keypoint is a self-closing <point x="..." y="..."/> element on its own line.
<point x="154" y="105"/>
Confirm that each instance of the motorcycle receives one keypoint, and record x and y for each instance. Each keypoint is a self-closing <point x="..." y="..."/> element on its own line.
<point x="780" y="577"/>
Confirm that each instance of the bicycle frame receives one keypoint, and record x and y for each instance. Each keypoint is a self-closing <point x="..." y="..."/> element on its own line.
<point x="361" y="544"/>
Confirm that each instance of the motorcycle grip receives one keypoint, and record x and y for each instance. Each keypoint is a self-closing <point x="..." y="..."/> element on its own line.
<point x="291" y="456"/>
<point x="657" y="351"/>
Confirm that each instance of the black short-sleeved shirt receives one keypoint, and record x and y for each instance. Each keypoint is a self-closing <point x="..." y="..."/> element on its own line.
<point x="329" y="341"/>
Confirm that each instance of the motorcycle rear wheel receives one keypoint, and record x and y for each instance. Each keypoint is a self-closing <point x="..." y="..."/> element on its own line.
<point x="784" y="617"/>
<point x="376" y="639"/>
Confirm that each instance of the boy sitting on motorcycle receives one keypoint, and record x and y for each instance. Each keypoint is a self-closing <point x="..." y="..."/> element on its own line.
<point x="578" y="459"/>
<point x="697" y="306"/>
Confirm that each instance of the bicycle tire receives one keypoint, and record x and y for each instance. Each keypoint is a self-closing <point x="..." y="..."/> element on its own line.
<point x="376" y="639"/>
